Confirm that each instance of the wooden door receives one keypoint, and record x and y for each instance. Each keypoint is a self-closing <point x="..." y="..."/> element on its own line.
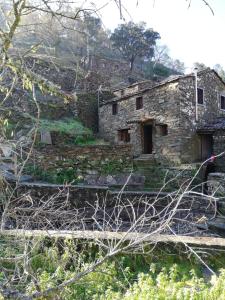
<point x="147" y="132"/>
<point x="206" y="146"/>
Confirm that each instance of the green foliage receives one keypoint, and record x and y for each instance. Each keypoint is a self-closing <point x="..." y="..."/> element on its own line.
<point x="57" y="176"/>
<point x="168" y="274"/>
<point x="6" y="129"/>
<point x="134" y="40"/>
<point x="152" y="70"/>
<point x="73" y="170"/>
<point x="68" y="126"/>
<point x="115" y="166"/>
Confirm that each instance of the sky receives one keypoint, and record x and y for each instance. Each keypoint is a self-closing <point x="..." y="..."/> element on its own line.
<point x="192" y="34"/>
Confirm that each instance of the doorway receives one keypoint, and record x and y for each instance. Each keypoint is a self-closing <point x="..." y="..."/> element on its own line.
<point x="206" y="146"/>
<point x="147" y="136"/>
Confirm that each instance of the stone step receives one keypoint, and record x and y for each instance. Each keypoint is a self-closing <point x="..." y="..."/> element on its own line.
<point x="144" y="157"/>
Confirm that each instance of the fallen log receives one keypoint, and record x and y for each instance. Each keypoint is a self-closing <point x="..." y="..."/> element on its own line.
<point x="108" y="235"/>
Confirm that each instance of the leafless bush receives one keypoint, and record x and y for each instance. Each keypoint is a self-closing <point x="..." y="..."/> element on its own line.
<point x="116" y="225"/>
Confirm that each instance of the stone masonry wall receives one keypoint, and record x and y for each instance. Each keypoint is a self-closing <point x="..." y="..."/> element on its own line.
<point x="212" y="88"/>
<point x="160" y="106"/>
<point x="134" y="88"/>
<point x="219" y="147"/>
<point x="173" y="104"/>
<point x="95" y="152"/>
<point x="79" y="161"/>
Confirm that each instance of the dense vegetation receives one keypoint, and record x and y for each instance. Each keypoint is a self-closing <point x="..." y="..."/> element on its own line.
<point x="126" y="276"/>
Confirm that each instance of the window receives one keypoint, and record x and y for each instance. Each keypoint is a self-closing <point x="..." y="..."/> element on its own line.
<point x="124" y="135"/>
<point x="222" y="102"/>
<point x="162" y="129"/>
<point x="114" y="108"/>
<point x="139" y="103"/>
<point x="200" y="96"/>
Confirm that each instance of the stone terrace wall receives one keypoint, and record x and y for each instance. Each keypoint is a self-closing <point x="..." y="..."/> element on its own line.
<point x="82" y="161"/>
<point x="57" y="206"/>
<point x="94" y="152"/>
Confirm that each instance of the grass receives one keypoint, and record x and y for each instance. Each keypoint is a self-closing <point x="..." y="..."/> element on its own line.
<point x="73" y="130"/>
<point x="67" y="126"/>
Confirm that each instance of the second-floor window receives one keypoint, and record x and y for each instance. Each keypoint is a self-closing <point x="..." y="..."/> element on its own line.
<point x="139" y="103"/>
<point x="200" y="96"/>
<point x="222" y="102"/>
<point x="114" y="108"/>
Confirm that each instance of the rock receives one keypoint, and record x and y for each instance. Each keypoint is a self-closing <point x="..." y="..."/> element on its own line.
<point x="111" y="180"/>
<point x="6" y="149"/>
<point x="217" y="225"/>
<point x="11" y="177"/>
<point x="101" y="180"/>
<point x="91" y="172"/>
<point x="7" y="167"/>
<point x="91" y="179"/>
<point x="135" y="180"/>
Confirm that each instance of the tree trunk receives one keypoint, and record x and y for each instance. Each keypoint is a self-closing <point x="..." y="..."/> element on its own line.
<point x="131" y="64"/>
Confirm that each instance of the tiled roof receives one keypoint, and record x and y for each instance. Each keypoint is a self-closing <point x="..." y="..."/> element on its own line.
<point x="168" y="80"/>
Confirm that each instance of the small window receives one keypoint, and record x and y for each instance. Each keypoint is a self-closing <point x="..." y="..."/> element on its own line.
<point x="200" y="96"/>
<point x="222" y="102"/>
<point x="124" y="135"/>
<point x="139" y="103"/>
<point x="114" y="108"/>
<point x="162" y="129"/>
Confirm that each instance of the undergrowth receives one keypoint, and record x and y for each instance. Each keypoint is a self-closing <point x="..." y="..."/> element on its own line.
<point x="171" y="274"/>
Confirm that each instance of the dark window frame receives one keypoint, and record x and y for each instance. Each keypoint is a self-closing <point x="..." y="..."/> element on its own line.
<point x="114" y="109"/>
<point x="139" y="103"/>
<point x="200" y="96"/>
<point x="222" y="102"/>
<point x="124" y="135"/>
<point x="162" y="129"/>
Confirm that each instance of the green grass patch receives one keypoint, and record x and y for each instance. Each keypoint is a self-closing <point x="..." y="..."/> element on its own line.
<point x="67" y="126"/>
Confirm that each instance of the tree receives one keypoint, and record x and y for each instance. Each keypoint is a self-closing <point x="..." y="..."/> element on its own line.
<point x="199" y="66"/>
<point x="134" y="40"/>
<point x="219" y="69"/>
<point x="161" y="56"/>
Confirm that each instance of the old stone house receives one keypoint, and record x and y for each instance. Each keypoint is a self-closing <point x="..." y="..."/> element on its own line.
<point x="173" y="120"/>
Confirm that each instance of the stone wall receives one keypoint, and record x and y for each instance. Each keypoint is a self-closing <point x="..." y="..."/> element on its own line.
<point x="134" y="88"/>
<point x="73" y="207"/>
<point x="94" y="152"/>
<point x="160" y="106"/>
<point x="216" y="184"/>
<point x="171" y="103"/>
<point x="219" y="147"/>
<point x="79" y="162"/>
<point x="212" y="88"/>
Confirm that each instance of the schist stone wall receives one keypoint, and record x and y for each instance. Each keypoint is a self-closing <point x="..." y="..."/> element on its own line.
<point x="156" y="110"/>
<point x="86" y="159"/>
<point x="212" y="87"/>
<point x="172" y="104"/>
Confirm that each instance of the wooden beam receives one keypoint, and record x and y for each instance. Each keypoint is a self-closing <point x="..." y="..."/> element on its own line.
<point x="107" y="235"/>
